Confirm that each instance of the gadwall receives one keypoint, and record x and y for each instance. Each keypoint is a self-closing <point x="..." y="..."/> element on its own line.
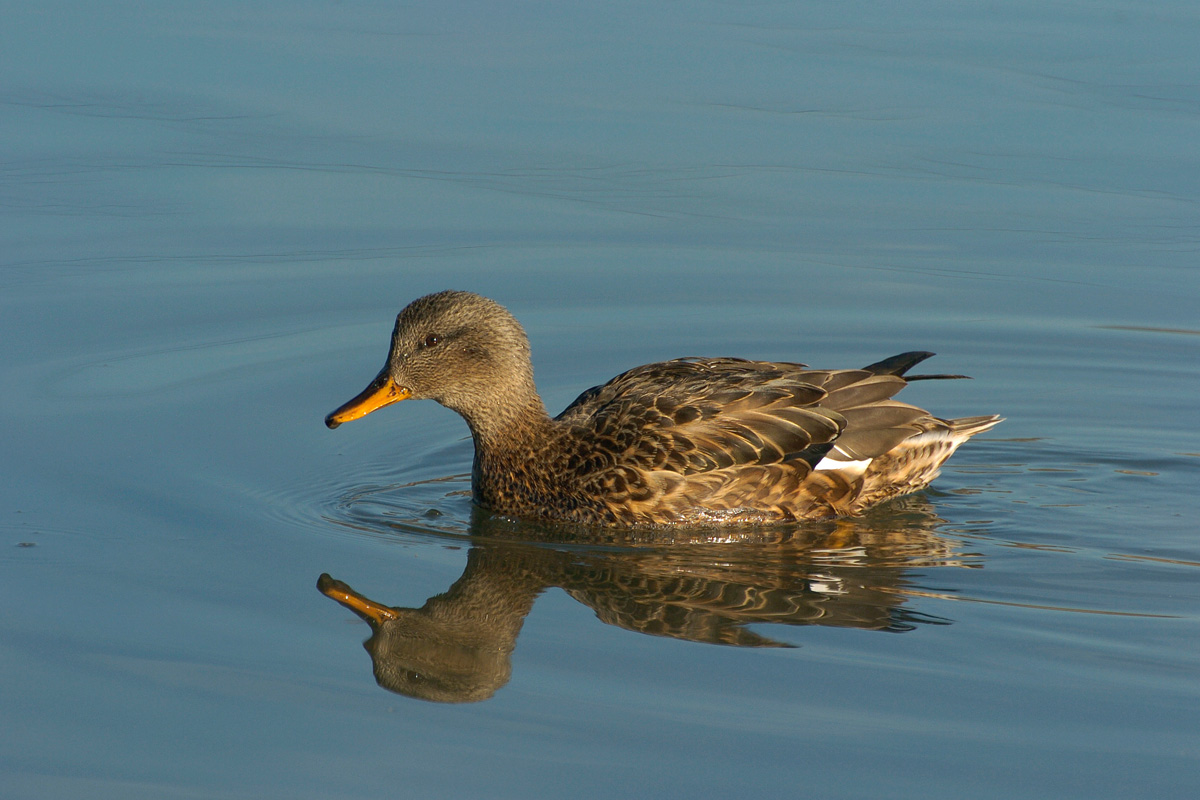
<point x="693" y="441"/>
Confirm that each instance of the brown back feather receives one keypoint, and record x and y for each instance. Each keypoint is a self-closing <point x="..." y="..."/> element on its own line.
<point x="716" y="439"/>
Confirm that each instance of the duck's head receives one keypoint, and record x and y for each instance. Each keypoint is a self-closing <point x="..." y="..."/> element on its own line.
<point x="460" y="349"/>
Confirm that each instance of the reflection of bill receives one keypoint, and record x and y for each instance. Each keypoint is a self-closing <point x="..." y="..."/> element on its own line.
<point x="849" y="573"/>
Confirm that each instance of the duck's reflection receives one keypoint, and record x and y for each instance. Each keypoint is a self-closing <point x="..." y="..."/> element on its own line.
<point x="849" y="573"/>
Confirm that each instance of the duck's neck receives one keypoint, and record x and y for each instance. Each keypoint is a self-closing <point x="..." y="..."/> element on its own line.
<point x="508" y="427"/>
<point x="501" y="406"/>
<point x="507" y="470"/>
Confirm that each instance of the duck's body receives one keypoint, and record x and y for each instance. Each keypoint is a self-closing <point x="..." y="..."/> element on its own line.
<point x="700" y="441"/>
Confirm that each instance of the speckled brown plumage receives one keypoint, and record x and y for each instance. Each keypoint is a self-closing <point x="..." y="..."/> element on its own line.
<point x="689" y="441"/>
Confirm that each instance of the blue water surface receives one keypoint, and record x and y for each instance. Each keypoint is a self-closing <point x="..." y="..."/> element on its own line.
<point x="211" y="212"/>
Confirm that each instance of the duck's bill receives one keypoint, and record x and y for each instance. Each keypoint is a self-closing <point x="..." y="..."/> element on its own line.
<point x="367" y="609"/>
<point x="383" y="391"/>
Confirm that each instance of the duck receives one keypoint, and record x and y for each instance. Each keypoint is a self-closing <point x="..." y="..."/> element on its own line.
<point x="690" y="441"/>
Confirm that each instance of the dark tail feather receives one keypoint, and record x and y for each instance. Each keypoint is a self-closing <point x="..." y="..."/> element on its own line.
<point x="898" y="365"/>
<point x="937" y="377"/>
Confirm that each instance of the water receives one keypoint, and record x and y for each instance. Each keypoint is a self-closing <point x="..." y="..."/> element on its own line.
<point x="211" y="213"/>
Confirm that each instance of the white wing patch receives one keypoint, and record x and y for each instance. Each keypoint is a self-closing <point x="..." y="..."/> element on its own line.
<point x="832" y="463"/>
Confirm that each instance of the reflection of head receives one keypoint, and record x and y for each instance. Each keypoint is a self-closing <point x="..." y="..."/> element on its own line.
<point x="454" y="649"/>
<point x="416" y="656"/>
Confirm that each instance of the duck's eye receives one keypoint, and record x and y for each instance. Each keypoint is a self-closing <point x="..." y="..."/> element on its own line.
<point x="431" y="340"/>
